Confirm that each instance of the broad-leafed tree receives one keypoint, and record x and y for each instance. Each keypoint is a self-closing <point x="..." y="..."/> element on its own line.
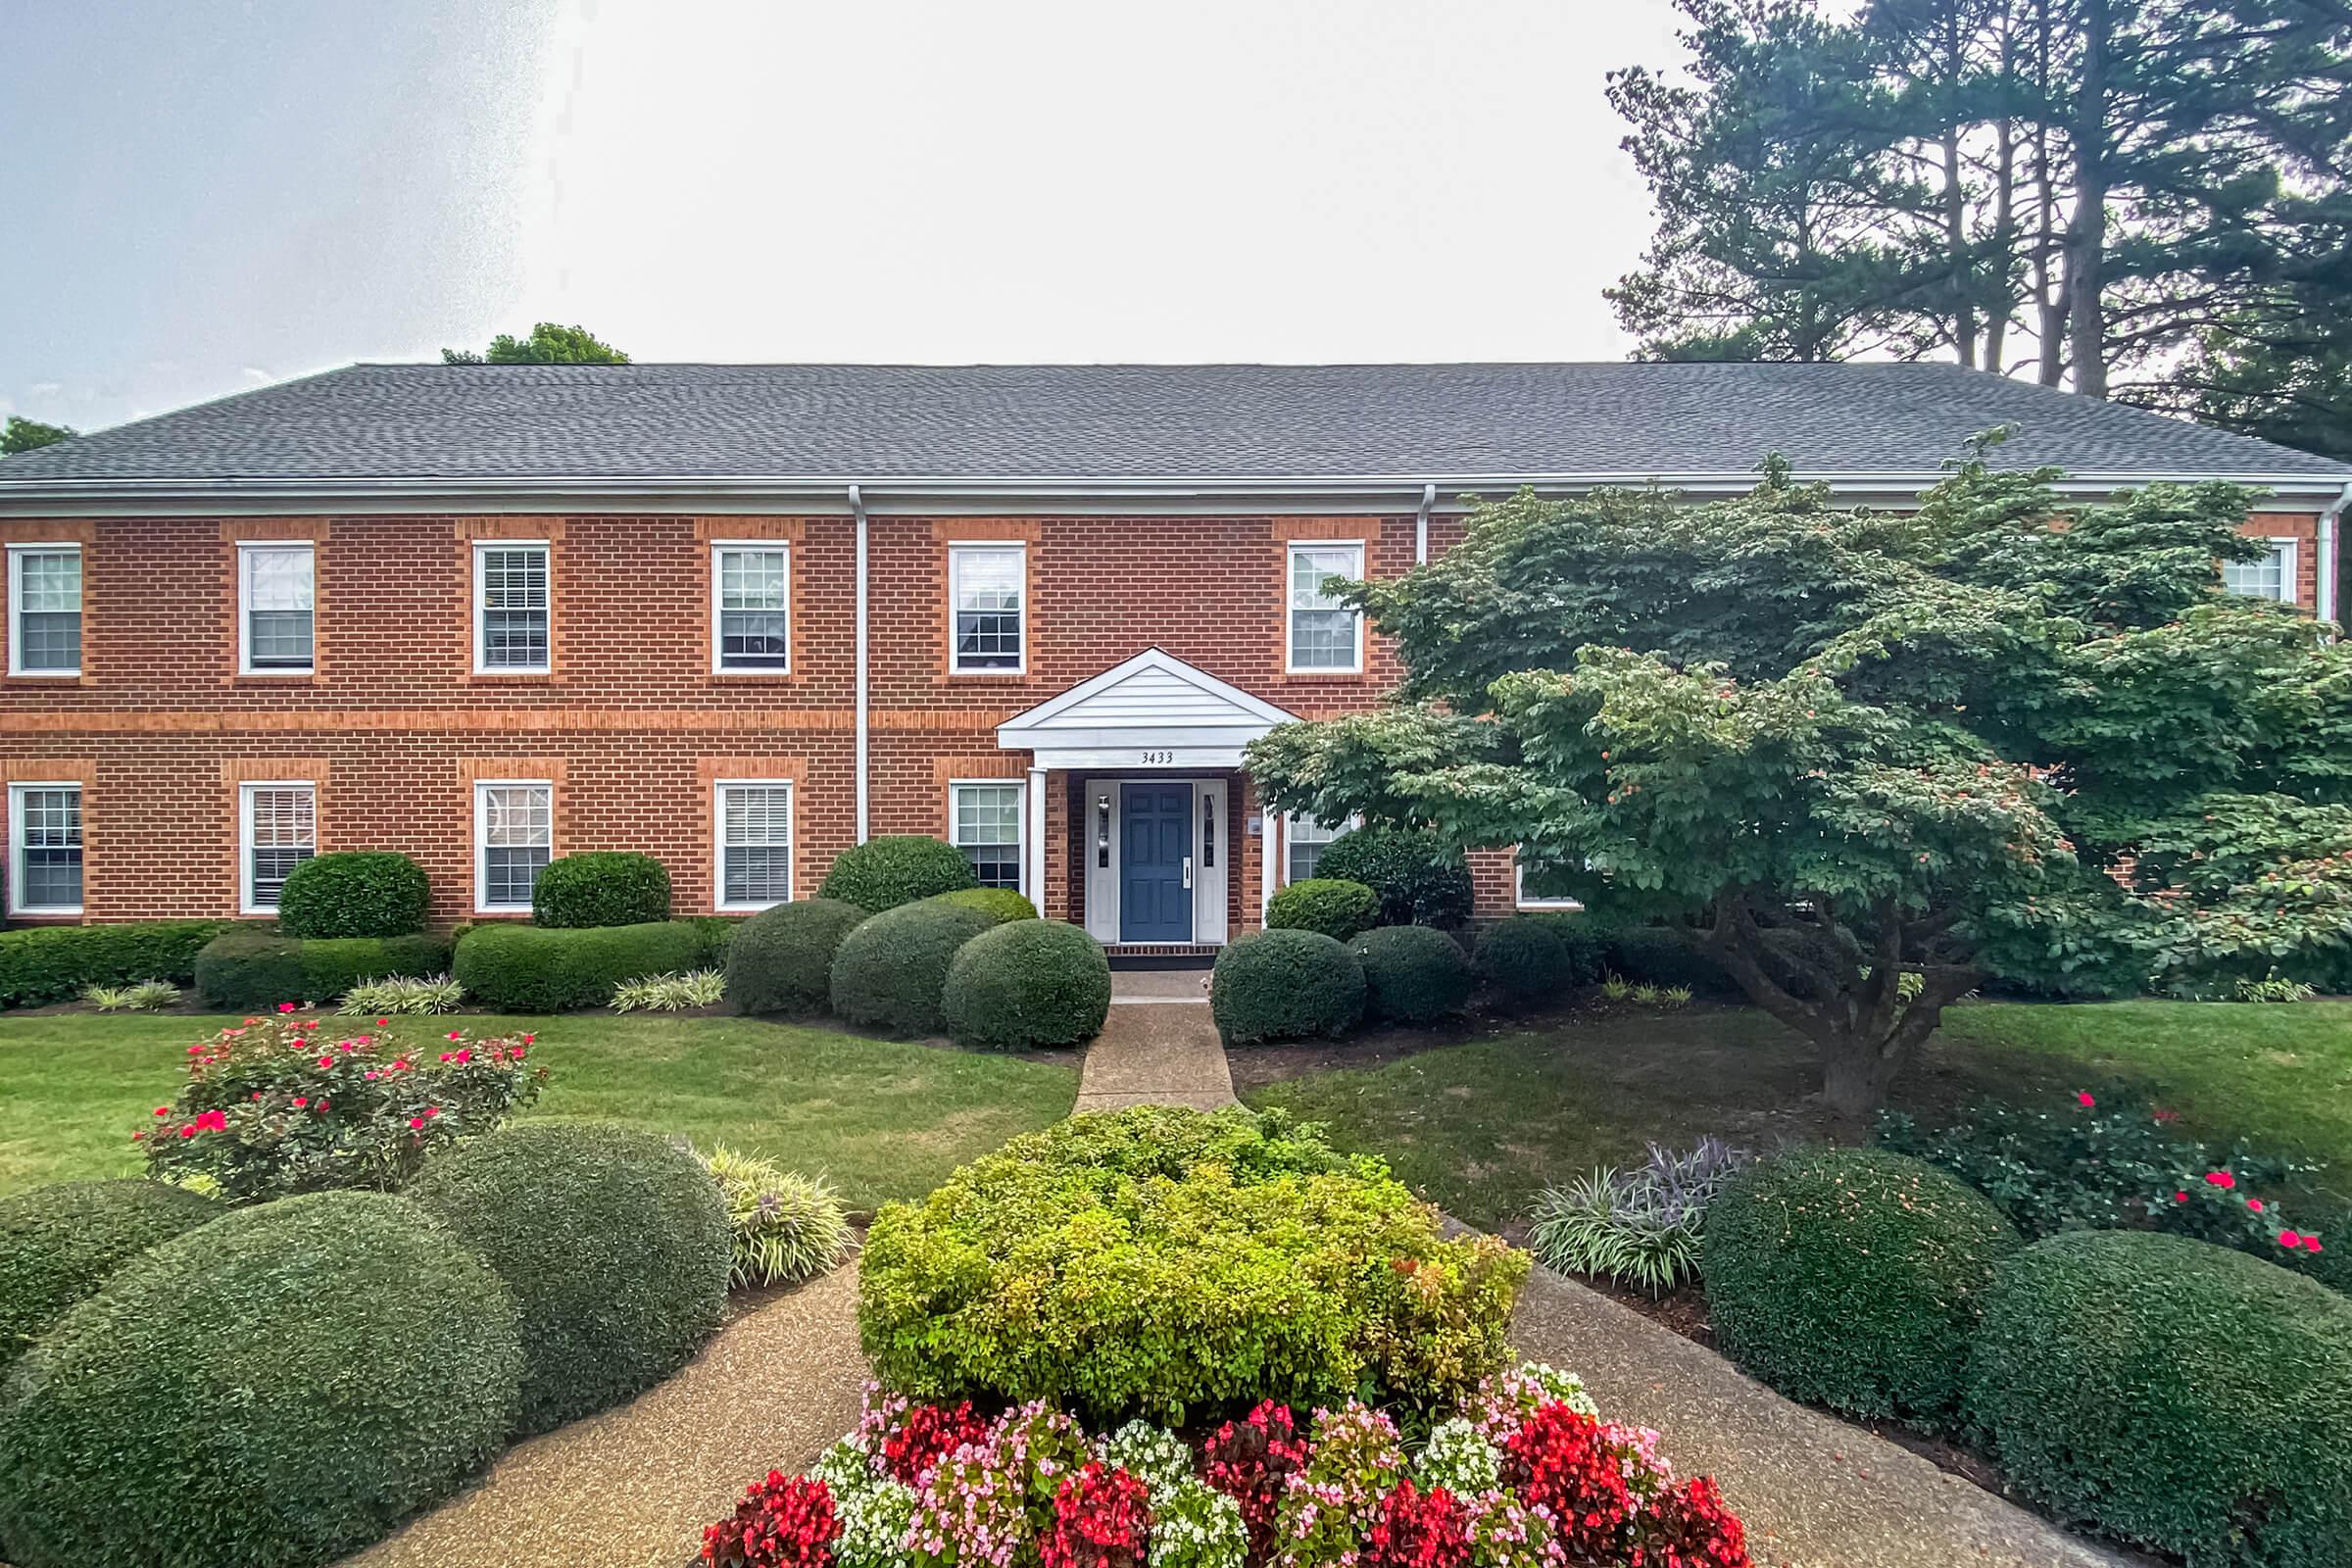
<point x="548" y="344"/>
<point x="21" y="434"/>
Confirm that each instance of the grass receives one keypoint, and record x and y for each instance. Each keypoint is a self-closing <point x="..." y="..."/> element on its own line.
<point x="1483" y="1127"/>
<point x="880" y="1120"/>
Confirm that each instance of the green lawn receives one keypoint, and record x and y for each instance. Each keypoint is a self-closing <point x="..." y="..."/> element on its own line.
<point x="880" y="1120"/>
<point x="1483" y="1127"/>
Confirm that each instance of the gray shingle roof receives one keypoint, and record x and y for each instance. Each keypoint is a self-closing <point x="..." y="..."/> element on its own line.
<point x="1136" y="421"/>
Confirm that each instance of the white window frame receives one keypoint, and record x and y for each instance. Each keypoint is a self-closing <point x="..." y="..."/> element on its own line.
<point x="1290" y="620"/>
<point x="956" y="553"/>
<point x="1289" y="827"/>
<point x="246" y="904"/>
<point x="16" y="615"/>
<point x="718" y="661"/>
<point x="246" y="548"/>
<point x="1020" y="795"/>
<point x="2288" y="566"/>
<point x="481" y="838"/>
<point x="1519" y="895"/>
<point x="481" y="643"/>
<point x="718" y="843"/>
<point x="17" y="791"/>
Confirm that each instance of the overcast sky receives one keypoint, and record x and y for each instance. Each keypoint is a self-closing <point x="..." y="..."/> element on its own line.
<point x="198" y="196"/>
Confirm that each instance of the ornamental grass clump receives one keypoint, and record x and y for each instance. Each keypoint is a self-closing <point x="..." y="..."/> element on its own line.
<point x="785" y="1226"/>
<point x="147" y="996"/>
<point x="1640" y="1226"/>
<point x="411" y="996"/>
<point x="284" y="1103"/>
<point x="669" y="993"/>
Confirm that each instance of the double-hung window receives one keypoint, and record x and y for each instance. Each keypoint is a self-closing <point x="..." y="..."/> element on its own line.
<point x="44" y="609"/>
<point x="988" y="587"/>
<point x="1537" y="897"/>
<point x="1324" y="634"/>
<point x="44" y="845"/>
<point x="755" y="843"/>
<point x="513" y="835"/>
<point x="2272" y="576"/>
<point x="1304" y="840"/>
<point x="751" y="606"/>
<point x="987" y="830"/>
<point x="278" y="830"/>
<point x="276" y="599"/>
<point x="510" y="614"/>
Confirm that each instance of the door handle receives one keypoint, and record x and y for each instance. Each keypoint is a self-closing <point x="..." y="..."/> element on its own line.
<point x="1187" y="870"/>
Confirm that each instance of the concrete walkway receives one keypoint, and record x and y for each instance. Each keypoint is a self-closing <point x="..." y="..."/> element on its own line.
<point x="1159" y="1046"/>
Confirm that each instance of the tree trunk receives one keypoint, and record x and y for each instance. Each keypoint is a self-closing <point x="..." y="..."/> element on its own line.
<point x="1854" y="1079"/>
<point x="2086" y="234"/>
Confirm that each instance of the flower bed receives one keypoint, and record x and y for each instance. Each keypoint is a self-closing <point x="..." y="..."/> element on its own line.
<point x="1524" y="1475"/>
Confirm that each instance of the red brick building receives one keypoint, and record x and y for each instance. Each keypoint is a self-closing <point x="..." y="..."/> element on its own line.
<point x="742" y="616"/>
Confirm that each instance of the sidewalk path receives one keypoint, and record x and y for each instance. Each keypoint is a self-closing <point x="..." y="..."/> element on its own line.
<point x="1159" y="1048"/>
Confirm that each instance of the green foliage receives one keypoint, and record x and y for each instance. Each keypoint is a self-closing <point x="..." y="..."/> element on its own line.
<point x="785" y="1226"/>
<point x="181" y="1416"/>
<point x="890" y="972"/>
<point x="1421" y="880"/>
<point x="782" y="960"/>
<point x="1025" y="985"/>
<point x="148" y="996"/>
<point x="885" y="872"/>
<point x="413" y="995"/>
<point x="528" y="968"/>
<point x="248" y="968"/>
<point x="1852" y="1278"/>
<point x="603" y="887"/>
<point x="21" y="434"/>
<point x="43" y="964"/>
<point x="1002" y="903"/>
<point x="715" y="938"/>
<point x="614" y="1241"/>
<point x="2180" y="1397"/>
<point x="1640" y="1226"/>
<point x="671" y="993"/>
<point x="1524" y="962"/>
<point x="1412" y="974"/>
<point x="356" y="892"/>
<point x="332" y="966"/>
<point x="59" y="1244"/>
<point x="1284" y="985"/>
<point x="1158" y="1261"/>
<point x="548" y="344"/>
<point x="1338" y="910"/>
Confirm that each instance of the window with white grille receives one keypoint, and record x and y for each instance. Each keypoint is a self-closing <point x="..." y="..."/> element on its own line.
<point x="2271" y="577"/>
<point x="280" y="830"/>
<point x="44" y="840"/>
<point x="511" y="615"/>
<point x="755" y="843"/>
<point x="275" y="600"/>
<point x="987" y="830"/>
<point x="1303" y="840"/>
<point x="750" y="613"/>
<point x="1324" y="634"/>
<point x="989" y="585"/>
<point x="1543" y="894"/>
<point x="513" y="835"/>
<point x="44" y="609"/>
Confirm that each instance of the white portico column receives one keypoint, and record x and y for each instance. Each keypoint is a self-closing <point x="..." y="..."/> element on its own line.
<point x="1034" y="797"/>
<point x="1269" y="845"/>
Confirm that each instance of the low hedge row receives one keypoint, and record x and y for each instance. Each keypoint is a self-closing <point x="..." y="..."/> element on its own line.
<point x="44" y="964"/>
<point x="529" y="968"/>
<point x="250" y="967"/>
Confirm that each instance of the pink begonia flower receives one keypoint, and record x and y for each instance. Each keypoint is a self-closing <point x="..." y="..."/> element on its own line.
<point x="2083" y="1098"/>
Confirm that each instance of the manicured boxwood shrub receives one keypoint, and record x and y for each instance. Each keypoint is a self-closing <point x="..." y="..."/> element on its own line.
<point x="1524" y="962"/>
<point x="603" y="887"/>
<point x="334" y="964"/>
<point x="714" y="935"/>
<point x="890" y="972"/>
<point x="1421" y="880"/>
<point x="1852" y="1278"/>
<point x="1284" y="985"/>
<point x="1653" y="955"/>
<point x="528" y="968"/>
<point x="59" y="1244"/>
<point x="885" y="872"/>
<point x="1026" y="984"/>
<point x="2181" y="1396"/>
<point x="249" y="967"/>
<point x="782" y="960"/>
<point x="355" y="892"/>
<point x="1161" y="1261"/>
<point x="272" y="1390"/>
<point x="43" y="964"/>
<point x="1412" y="974"/>
<point x="1002" y="903"/>
<point x="614" y="1241"/>
<point x="1585" y="943"/>
<point x="1338" y="910"/>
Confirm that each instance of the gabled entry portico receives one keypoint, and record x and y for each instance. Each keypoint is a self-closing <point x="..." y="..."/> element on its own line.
<point x="1153" y="745"/>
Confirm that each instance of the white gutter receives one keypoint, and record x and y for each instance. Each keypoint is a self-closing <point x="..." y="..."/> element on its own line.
<point x="2326" y="547"/>
<point x="858" y="511"/>
<point x="1429" y="499"/>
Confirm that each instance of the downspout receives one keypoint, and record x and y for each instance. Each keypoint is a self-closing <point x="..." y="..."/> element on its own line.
<point x="2326" y="547"/>
<point x="857" y="511"/>
<point x="1429" y="499"/>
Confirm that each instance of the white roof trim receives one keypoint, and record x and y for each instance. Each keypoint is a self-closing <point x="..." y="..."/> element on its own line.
<point x="1154" y="703"/>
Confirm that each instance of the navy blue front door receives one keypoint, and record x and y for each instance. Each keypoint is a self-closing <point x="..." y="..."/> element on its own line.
<point x="1156" y="834"/>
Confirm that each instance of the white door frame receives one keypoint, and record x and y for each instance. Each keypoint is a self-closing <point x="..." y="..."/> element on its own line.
<point x="1101" y="861"/>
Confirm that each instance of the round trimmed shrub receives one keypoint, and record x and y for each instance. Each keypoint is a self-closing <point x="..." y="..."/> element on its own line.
<point x="1284" y="985"/>
<point x="354" y="893"/>
<point x="885" y="872"/>
<point x="2178" y="1394"/>
<point x="273" y="1389"/>
<point x="508" y="967"/>
<point x="1003" y="904"/>
<point x="250" y="968"/>
<point x="1524" y="962"/>
<point x="1412" y="974"/>
<point x="1421" y="880"/>
<point x="603" y="887"/>
<point x="1025" y="984"/>
<point x="890" y="972"/>
<point x="782" y="958"/>
<point x="59" y="1244"/>
<point x="614" y="1241"/>
<point x="1339" y="909"/>
<point x="1852" y="1278"/>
